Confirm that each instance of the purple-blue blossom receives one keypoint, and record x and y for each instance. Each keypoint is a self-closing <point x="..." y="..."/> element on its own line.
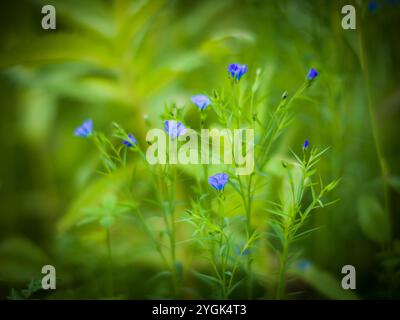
<point x="242" y="251"/>
<point x="312" y="74"/>
<point x="237" y="70"/>
<point x="174" y="128"/>
<point x="218" y="181"/>
<point x="373" y="6"/>
<point x="304" y="265"/>
<point x="306" y="144"/>
<point x="201" y="101"/>
<point x="130" y="141"/>
<point x="85" y="129"/>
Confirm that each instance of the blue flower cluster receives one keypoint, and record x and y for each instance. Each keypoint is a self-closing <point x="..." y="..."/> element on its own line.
<point x="237" y="70"/>
<point x="176" y="128"/>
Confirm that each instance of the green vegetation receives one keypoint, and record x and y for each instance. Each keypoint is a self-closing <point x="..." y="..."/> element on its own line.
<point x="116" y="227"/>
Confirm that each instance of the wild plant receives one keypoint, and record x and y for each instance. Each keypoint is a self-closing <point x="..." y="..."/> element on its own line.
<point x="231" y="111"/>
<point x="163" y="179"/>
<point x="302" y="194"/>
<point x="228" y="243"/>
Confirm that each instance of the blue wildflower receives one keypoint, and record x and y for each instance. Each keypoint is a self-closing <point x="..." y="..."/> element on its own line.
<point x="201" y="101"/>
<point x="240" y="252"/>
<point x="306" y="144"/>
<point x="312" y="74"/>
<point x="174" y="128"/>
<point x="85" y="130"/>
<point x="304" y="265"/>
<point x="218" y="181"/>
<point x="130" y="141"/>
<point x="373" y="6"/>
<point x="237" y="70"/>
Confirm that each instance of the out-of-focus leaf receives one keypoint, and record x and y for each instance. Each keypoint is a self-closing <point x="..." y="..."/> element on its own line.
<point x="185" y="62"/>
<point x="206" y="278"/>
<point x="373" y="220"/>
<point x="37" y="104"/>
<point x="324" y="283"/>
<point x="21" y="260"/>
<point x="394" y="182"/>
<point x="100" y="198"/>
<point x="57" y="47"/>
<point x="107" y="221"/>
<point x="88" y="14"/>
<point x="109" y="202"/>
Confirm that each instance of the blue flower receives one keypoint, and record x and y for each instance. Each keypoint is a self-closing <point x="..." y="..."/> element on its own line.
<point x="201" y="101"/>
<point x="237" y="70"/>
<point x="218" y="181"/>
<point x="240" y="252"/>
<point x="312" y="74"/>
<point x="85" y="130"/>
<point x="174" y="128"/>
<point x="306" y="144"/>
<point x="373" y="6"/>
<point x="304" y="265"/>
<point x="130" y="141"/>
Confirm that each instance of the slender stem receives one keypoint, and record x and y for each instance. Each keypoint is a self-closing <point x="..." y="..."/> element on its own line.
<point x="249" y="232"/>
<point x="151" y="236"/>
<point x="169" y="217"/>
<point x="110" y="260"/>
<point x="282" y="272"/>
<point x="374" y="127"/>
<point x="172" y="232"/>
<point x="203" y="117"/>
<point x="124" y="157"/>
<point x="251" y="105"/>
<point x="221" y="244"/>
<point x="236" y="95"/>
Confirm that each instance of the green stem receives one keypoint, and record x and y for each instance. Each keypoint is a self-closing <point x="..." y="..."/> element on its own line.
<point x="282" y="272"/>
<point x="168" y="216"/>
<point x="172" y="233"/>
<point x="249" y="232"/>
<point x="110" y="260"/>
<point x="223" y="255"/>
<point x="152" y="238"/>
<point x="203" y="117"/>
<point x="374" y="127"/>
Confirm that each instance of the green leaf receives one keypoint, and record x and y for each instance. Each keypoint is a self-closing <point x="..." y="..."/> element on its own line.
<point x="235" y="286"/>
<point x="373" y="220"/>
<point x="86" y="220"/>
<point x="92" y="15"/>
<point x="161" y="275"/>
<point x="109" y="202"/>
<point x="56" y="47"/>
<point x="228" y="273"/>
<point x="21" y="260"/>
<point x="206" y="278"/>
<point x="394" y="182"/>
<point x="324" y="283"/>
<point x="107" y="221"/>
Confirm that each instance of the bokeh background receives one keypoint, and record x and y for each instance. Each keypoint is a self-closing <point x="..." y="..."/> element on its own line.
<point x="123" y="60"/>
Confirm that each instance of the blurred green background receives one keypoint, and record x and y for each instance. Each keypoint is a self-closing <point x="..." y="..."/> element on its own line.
<point x="123" y="60"/>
